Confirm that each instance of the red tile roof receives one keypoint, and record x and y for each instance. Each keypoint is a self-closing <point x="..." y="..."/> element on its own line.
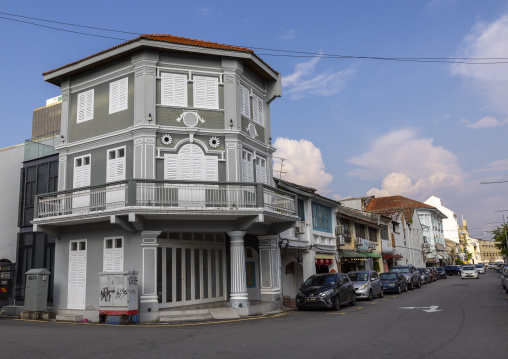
<point x="170" y="39"/>
<point x="394" y="203"/>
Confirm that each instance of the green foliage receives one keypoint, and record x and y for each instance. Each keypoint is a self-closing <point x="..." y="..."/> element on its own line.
<point x="499" y="235"/>
<point x="459" y="262"/>
<point x="377" y="268"/>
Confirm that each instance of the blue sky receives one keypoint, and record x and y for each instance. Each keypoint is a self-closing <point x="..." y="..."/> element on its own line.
<point x="349" y="126"/>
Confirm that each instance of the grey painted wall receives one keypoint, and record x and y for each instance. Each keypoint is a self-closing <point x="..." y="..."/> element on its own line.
<point x="102" y="122"/>
<point x="166" y="116"/>
<point x="94" y="235"/>
<point x="98" y="164"/>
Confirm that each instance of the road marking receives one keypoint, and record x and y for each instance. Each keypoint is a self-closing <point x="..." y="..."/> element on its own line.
<point x="373" y="303"/>
<point x="394" y="296"/>
<point x="431" y="309"/>
<point x="385" y="299"/>
<point x="335" y="313"/>
<point x="359" y="307"/>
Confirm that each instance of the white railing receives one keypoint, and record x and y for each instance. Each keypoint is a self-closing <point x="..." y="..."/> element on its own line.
<point x="277" y="202"/>
<point x="386" y="246"/>
<point x="143" y="193"/>
<point x="83" y="201"/>
<point x="196" y="195"/>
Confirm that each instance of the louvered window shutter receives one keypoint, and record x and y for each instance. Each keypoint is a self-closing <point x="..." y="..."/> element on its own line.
<point x="257" y="110"/>
<point x="206" y="92"/>
<point x="211" y="168"/>
<point x="174" y="90"/>
<point x="185" y="168"/>
<point x="170" y="172"/>
<point x="248" y="172"/>
<point x="260" y="170"/>
<point x="85" y="106"/>
<point x="82" y="172"/>
<point x="118" y="95"/>
<point x="245" y="101"/>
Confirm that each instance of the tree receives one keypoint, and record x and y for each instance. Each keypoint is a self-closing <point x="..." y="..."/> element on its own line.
<point x="499" y="235"/>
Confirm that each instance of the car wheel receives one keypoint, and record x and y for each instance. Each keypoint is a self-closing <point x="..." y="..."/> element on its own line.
<point x="371" y="296"/>
<point x="412" y="286"/>
<point x="336" y="302"/>
<point x="399" y="290"/>
<point x="300" y="308"/>
<point x="353" y="301"/>
<point x="405" y="289"/>
<point x="419" y="284"/>
<point x="381" y="294"/>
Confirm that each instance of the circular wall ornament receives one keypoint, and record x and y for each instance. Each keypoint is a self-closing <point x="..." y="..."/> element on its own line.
<point x="190" y="119"/>
<point x="214" y="142"/>
<point x="166" y="139"/>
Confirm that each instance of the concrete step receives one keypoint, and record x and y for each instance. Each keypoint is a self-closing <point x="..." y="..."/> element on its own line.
<point x="189" y="311"/>
<point x="166" y="318"/>
<point x="69" y="318"/>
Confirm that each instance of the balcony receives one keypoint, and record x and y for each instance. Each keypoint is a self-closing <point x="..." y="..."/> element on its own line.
<point x="165" y="200"/>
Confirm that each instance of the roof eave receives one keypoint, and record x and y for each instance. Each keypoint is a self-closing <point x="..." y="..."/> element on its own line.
<point x="56" y="77"/>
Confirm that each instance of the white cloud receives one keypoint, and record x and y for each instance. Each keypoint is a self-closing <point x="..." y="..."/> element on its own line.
<point x="288" y="35"/>
<point x="306" y="81"/>
<point x="408" y="165"/>
<point x="303" y="163"/>
<point x="487" y="40"/>
<point x="499" y="165"/>
<point x="486" y="122"/>
<point x="402" y="151"/>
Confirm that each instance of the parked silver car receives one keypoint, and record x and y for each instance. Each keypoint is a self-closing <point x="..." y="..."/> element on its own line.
<point x="367" y="284"/>
<point x="504" y="278"/>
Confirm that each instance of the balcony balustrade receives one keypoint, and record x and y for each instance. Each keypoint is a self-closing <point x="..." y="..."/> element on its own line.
<point x="146" y="194"/>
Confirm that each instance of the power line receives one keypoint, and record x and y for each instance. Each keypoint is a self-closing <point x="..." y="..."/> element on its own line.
<point x="286" y="53"/>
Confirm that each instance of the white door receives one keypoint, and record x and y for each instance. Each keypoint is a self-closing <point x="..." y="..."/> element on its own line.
<point x="77" y="275"/>
<point x="81" y="199"/>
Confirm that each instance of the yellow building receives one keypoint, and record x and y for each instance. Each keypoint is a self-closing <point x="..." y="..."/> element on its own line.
<point x="489" y="251"/>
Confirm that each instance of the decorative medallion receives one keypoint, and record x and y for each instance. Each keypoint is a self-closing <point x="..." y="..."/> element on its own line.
<point x="214" y="142"/>
<point x="251" y="129"/>
<point x="166" y="139"/>
<point x="190" y="118"/>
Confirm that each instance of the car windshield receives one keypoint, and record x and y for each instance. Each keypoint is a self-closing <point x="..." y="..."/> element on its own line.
<point x="478" y="265"/>
<point x="358" y="276"/>
<point x="400" y="270"/>
<point x="321" y="280"/>
<point x="468" y="268"/>
<point x="388" y="276"/>
<point x="421" y="270"/>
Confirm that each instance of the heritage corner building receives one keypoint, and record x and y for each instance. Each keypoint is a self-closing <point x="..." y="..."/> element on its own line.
<point x="165" y="169"/>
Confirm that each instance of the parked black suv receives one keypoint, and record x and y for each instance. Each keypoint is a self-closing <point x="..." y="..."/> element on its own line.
<point x="412" y="275"/>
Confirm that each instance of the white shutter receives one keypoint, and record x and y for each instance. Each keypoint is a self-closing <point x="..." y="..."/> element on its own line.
<point x="245" y="101"/>
<point x="77" y="277"/>
<point x="260" y="170"/>
<point x="197" y="168"/>
<point x="171" y="167"/>
<point x="81" y="172"/>
<point x="118" y="95"/>
<point x="85" y="106"/>
<point x="115" y="165"/>
<point x="257" y="110"/>
<point x="185" y="168"/>
<point x="211" y="168"/>
<point x="113" y="257"/>
<point x="247" y="167"/>
<point x="206" y="92"/>
<point x="174" y="90"/>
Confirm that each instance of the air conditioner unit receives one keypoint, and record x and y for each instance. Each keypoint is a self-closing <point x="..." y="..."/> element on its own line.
<point x="341" y="241"/>
<point x="300" y="228"/>
<point x="373" y="245"/>
<point x="339" y="229"/>
<point x="359" y="241"/>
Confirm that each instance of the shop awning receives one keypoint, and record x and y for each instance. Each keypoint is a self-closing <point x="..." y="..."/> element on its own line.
<point x="388" y="256"/>
<point x="352" y="254"/>
<point x="372" y="255"/>
<point x="324" y="256"/>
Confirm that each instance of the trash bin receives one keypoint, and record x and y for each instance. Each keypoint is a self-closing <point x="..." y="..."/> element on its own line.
<point x="36" y="290"/>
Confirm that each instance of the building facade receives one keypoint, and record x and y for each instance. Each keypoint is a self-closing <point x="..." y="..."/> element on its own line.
<point x="311" y="246"/>
<point x="165" y="171"/>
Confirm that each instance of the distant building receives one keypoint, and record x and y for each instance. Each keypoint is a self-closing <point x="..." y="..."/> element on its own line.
<point x="489" y="252"/>
<point x="450" y="226"/>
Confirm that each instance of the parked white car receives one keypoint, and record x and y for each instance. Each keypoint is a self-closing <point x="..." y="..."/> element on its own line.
<point x="469" y="272"/>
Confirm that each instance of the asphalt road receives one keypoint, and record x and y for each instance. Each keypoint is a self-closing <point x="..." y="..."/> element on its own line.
<point x="470" y="321"/>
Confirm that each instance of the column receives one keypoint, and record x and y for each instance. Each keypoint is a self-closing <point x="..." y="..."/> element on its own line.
<point x="148" y="297"/>
<point x="269" y="264"/>
<point x="238" y="294"/>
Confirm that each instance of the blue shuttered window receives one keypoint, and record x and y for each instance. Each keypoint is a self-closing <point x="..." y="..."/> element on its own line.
<point x="321" y="217"/>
